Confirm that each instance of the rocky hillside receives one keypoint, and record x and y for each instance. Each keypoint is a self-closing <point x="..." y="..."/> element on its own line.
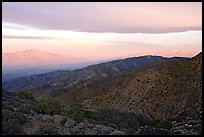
<point x="23" y="115"/>
<point x="167" y="92"/>
<point x="18" y="118"/>
<point x="65" y="79"/>
<point x="85" y="90"/>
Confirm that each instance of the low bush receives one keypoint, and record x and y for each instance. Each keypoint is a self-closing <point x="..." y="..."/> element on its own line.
<point x="25" y="95"/>
<point x="78" y="112"/>
<point x="45" y="130"/>
<point x="49" y="106"/>
<point x="62" y="122"/>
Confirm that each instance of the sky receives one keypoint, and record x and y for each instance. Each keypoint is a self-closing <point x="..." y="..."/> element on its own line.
<point x="99" y="31"/>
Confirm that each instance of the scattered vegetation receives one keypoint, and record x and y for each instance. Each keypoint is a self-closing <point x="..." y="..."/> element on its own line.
<point x="121" y="125"/>
<point x="45" y="130"/>
<point x="49" y="106"/>
<point x="62" y="122"/>
<point x="25" y="95"/>
<point x="78" y="112"/>
<point x="161" y="124"/>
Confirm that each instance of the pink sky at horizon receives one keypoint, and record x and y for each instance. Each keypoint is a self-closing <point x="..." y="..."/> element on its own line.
<point x="100" y="31"/>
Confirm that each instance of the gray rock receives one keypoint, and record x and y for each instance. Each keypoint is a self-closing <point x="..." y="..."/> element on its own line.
<point x="106" y="130"/>
<point x="47" y="118"/>
<point x="23" y="118"/>
<point x="154" y="131"/>
<point x="177" y="132"/>
<point x="70" y="123"/>
<point x="113" y="125"/>
<point x="194" y="122"/>
<point x="38" y="116"/>
<point x="138" y="131"/>
<point x="197" y="126"/>
<point x="90" y="125"/>
<point x="75" y="130"/>
<point x="99" y="127"/>
<point x="32" y="112"/>
<point x="12" y="127"/>
<point x="10" y="107"/>
<point x="57" y="119"/>
<point x="81" y="125"/>
<point x="116" y="133"/>
<point x="65" y="132"/>
<point x="29" y="124"/>
<point x="103" y="129"/>
<point x="16" y="104"/>
<point x="23" y="109"/>
<point x="90" y="131"/>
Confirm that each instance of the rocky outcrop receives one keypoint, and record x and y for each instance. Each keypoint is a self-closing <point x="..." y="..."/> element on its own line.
<point x="19" y="119"/>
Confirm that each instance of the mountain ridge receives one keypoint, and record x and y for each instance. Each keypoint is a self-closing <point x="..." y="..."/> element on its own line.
<point x="164" y="92"/>
<point x="101" y="69"/>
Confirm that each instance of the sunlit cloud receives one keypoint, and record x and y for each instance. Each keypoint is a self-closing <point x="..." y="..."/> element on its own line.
<point x="102" y="31"/>
<point x="125" y="17"/>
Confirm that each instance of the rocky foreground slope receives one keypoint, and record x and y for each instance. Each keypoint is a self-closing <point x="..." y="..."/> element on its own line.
<point x="19" y="118"/>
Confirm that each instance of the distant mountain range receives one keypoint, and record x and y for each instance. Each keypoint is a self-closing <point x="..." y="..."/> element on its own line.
<point x="65" y="79"/>
<point x="30" y="58"/>
<point x="34" y="61"/>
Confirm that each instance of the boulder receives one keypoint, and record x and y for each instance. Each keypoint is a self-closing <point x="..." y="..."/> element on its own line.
<point x="33" y="113"/>
<point x="103" y="129"/>
<point x="70" y="123"/>
<point x="82" y="125"/>
<point x="116" y="133"/>
<point x="75" y="130"/>
<point x="57" y="119"/>
<point x="90" y="131"/>
<point x="47" y="118"/>
<point x="106" y="130"/>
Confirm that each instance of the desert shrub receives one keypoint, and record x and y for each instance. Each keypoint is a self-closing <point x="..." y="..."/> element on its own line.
<point x="121" y="125"/>
<point x="62" y="122"/>
<point x="46" y="130"/>
<point x="78" y="112"/>
<point x="49" y="106"/>
<point x="166" y="124"/>
<point x="25" y="95"/>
